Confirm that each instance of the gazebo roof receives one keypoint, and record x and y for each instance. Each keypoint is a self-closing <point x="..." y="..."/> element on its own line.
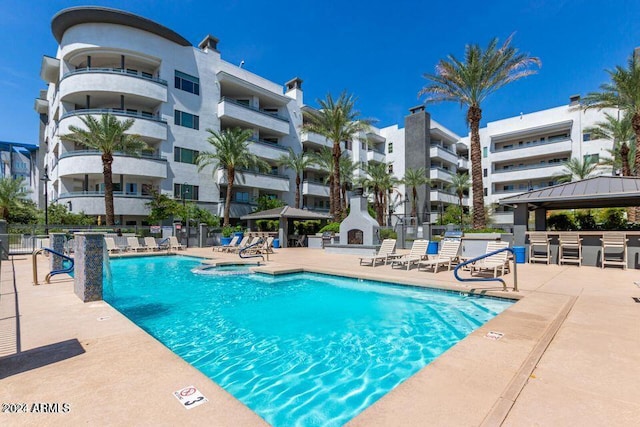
<point x="286" y="212"/>
<point x="596" y="192"/>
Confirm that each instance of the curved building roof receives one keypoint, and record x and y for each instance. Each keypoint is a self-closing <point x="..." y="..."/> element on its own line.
<point x="67" y="18"/>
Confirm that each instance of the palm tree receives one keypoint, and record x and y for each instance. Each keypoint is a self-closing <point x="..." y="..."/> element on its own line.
<point x="347" y="168"/>
<point x="470" y="82"/>
<point x="324" y="160"/>
<point x="13" y="194"/>
<point x="621" y="133"/>
<point x="460" y="184"/>
<point x="379" y="182"/>
<point x="231" y="152"/>
<point x="414" y="178"/>
<point x="623" y="92"/>
<point x="338" y="121"/>
<point x="109" y="136"/>
<point x="577" y="170"/>
<point x="297" y="163"/>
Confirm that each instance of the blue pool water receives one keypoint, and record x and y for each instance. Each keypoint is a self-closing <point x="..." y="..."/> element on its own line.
<point x="299" y="349"/>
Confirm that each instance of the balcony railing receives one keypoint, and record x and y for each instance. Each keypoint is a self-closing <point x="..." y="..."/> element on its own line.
<point x="532" y="144"/>
<point x="270" y="174"/>
<point x="257" y="110"/>
<point x="101" y="193"/>
<point x="525" y="167"/>
<point x="447" y="171"/>
<point x="115" y="112"/>
<point x="73" y="153"/>
<point x="268" y="144"/>
<point x="444" y="149"/>
<point x="132" y="73"/>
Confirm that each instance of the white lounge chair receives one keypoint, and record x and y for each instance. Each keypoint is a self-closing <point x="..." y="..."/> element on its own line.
<point x="111" y="245"/>
<point x="134" y="244"/>
<point x="417" y="253"/>
<point x="386" y="252"/>
<point x="495" y="262"/>
<point x="151" y="244"/>
<point x="232" y="243"/>
<point x="174" y="244"/>
<point x="449" y="252"/>
<point x="243" y="244"/>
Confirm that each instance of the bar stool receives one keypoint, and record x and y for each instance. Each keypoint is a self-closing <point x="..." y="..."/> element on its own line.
<point x="539" y="247"/>
<point x="570" y="248"/>
<point x="616" y="243"/>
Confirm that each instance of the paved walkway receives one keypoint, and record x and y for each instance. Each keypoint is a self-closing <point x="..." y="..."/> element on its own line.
<point x="569" y="355"/>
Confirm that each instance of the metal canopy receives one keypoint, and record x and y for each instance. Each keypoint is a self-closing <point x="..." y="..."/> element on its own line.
<point x="286" y="212"/>
<point x="597" y="192"/>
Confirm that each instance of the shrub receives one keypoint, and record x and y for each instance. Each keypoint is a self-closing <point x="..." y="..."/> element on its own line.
<point x="332" y="227"/>
<point x="585" y="221"/>
<point x="388" y="233"/>
<point x="614" y="219"/>
<point x="227" y="231"/>
<point x="561" y="222"/>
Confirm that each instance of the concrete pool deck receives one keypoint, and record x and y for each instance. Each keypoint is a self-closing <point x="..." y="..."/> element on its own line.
<point x="569" y="354"/>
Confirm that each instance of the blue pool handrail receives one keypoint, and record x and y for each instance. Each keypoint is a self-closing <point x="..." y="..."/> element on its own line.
<point x="242" y="251"/>
<point x="489" y="279"/>
<point x="53" y="272"/>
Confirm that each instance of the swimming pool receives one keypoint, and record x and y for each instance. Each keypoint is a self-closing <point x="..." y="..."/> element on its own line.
<point x="298" y="349"/>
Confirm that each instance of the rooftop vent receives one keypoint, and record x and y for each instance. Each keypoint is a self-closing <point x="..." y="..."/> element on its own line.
<point x="294" y="83"/>
<point x="574" y="99"/>
<point x="416" y="109"/>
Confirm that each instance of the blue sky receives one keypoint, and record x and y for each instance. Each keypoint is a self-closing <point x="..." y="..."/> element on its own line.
<point x="376" y="50"/>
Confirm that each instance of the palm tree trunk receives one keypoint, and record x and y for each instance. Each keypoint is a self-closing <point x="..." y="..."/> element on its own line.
<point x="297" y="190"/>
<point x="331" y="190"/>
<point x="624" y="157"/>
<point x="379" y="208"/>
<point x="635" y="123"/>
<point x="461" y="212"/>
<point x="107" y="161"/>
<point x="231" y="175"/>
<point x="337" y="207"/>
<point x="414" y="202"/>
<point x="473" y="118"/>
<point x="345" y="205"/>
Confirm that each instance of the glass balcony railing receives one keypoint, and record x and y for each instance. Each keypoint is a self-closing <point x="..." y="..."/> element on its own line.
<point x="101" y="193"/>
<point x="525" y="167"/>
<point x="115" y="112"/>
<point x="73" y="153"/>
<point x="128" y="72"/>
<point x="268" y="144"/>
<point x="531" y="144"/>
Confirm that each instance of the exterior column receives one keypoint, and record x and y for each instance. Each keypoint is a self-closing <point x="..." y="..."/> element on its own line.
<point x="541" y="219"/>
<point x="57" y="241"/>
<point x="283" y="231"/>
<point x="520" y="219"/>
<point x="88" y="268"/>
<point x="4" y="237"/>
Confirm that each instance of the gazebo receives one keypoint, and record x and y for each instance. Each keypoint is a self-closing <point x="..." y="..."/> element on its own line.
<point x="283" y="215"/>
<point x="590" y="193"/>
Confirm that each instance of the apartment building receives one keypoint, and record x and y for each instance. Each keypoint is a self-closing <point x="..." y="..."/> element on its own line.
<point x="527" y="152"/>
<point x="425" y="143"/>
<point x="19" y="160"/>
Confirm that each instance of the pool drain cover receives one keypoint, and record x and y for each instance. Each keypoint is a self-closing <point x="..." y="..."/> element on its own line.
<point x="494" y="335"/>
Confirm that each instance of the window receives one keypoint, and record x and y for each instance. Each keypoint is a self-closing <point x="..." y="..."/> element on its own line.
<point x="363" y="165"/>
<point x="270" y="140"/>
<point x="187" y="120"/>
<point x="363" y="145"/>
<point x="390" y="169"/>
<point x="131" y="188"/>
<point x="484" y="172"/>
<point x="187" y="83"/>
<point x="184" y="155"/>
<point x="508" y="187"/>
<point x="272" y="111"/>
<point x="116" y="187"/>
<point x="190" y="192"/>
<point x="593" y="158"/>
<point x="486" y="191"/>
<point x="484" y="152"/>
<point x="586" y="136"/>
<point x="242" y="197"/>
<point x="390" y="147"/>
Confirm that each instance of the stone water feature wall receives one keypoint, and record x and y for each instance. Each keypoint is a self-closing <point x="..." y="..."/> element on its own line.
<point x="89" y="259"/>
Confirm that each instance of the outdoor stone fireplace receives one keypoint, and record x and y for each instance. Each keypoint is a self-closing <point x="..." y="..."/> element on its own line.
<point x="359" y="228"/>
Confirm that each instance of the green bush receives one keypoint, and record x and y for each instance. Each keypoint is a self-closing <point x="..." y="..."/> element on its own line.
<point x="267" y="224"/>
<point x="561" y="222"/>
<point x="585" y="221"/>
<point x="332" y="227"/>
<point x="307" y="227"/>
<point x="614" y="219"/>
<point x="227" y="231"/>
<point x="388" y="233"/>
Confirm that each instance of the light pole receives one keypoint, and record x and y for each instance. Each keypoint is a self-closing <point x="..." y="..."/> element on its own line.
<point x="45" y="179"/>
<point x="185" y="191"/>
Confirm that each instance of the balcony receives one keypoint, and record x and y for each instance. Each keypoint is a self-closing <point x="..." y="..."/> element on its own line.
<point x="78" y="83"/>
<point x="376" y="156"/>
<point x="437" y="152"/>
<point x="439" y="174"/>
<point x="538" y="149"/>
<point x="528" y="172"/>
<point x="315" y="139"/>
<point x="147" y="126"/>
<point x="83" y="162"/>
<point x="267" y="150"/>
<point x="446" y="197"/>
<point x="463" y="163"/>
<point x="92" y="203"/>
<point x="245" y="115"/>
<point x="315" y="188"/>
<point x="256" y="180"/>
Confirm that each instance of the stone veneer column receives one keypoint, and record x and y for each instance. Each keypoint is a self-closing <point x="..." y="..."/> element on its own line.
<point x="88" y="266"/>
<point x="57" y="241"/>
